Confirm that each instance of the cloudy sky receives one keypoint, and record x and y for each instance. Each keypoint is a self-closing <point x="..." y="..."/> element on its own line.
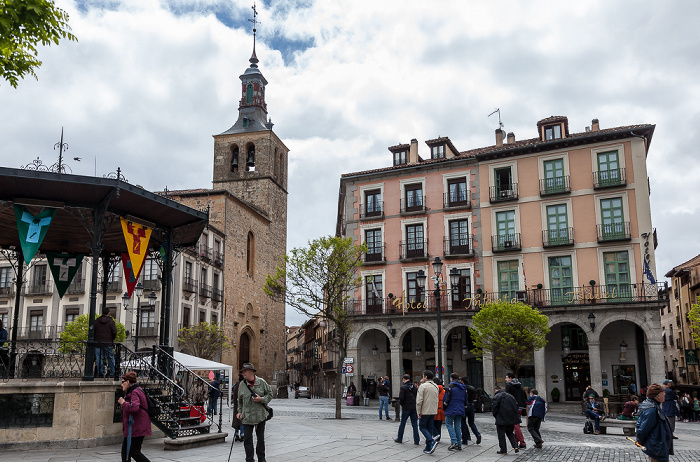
<point x="149" y="82"/>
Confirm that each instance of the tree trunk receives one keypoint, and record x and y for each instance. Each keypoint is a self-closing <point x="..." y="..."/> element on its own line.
<point x="338" y="382"/>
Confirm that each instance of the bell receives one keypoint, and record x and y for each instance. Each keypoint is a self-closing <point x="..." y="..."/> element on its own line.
<point x="234" y="162"/>
<point x="250" y="162"/>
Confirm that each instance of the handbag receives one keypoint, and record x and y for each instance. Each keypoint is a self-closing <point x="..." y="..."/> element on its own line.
<point x="269" y="410"/>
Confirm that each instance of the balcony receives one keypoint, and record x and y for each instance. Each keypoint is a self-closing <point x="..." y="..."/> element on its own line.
<point x="503" y="193"/>
<point x="375" y="255"/>
<point x="414" y="250"/>
<point x="457" y="200"/>
<point x="189" y="285"/>
<point x="45" y="288"/>
<point x="328" y="366"/>
<point x="458" y="246"/>
<point x="614" y="232"/>
<point x="556" y="185"/>
<point x="77" y="286"/>
<point x="204" y="252"/>
<point x="414" y="206"/>
<point x="372" y="212"/>
<point x="558" y="237"/>
<point x="609" y="178"/>
<point x="151" y="284"/>
<point x="37" y="332"/>
<point x="148" y="329"/>
<point x="217" y="295"/>
<point x="505" y="242"/>
<point x="7" y="291"/>
<point x="205" y="290"/>
<point x="114" y="286"/>
<point x="219" y="259"/>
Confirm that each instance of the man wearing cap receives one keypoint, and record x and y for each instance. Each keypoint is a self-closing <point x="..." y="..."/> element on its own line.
<point x="407" y="400"/>
<point x="653" y="429"/>
<point x="669" y="406"/>
<point x="253" y="395"/>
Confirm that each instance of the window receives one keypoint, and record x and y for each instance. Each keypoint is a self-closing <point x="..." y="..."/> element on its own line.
<point x="612" y="215"/>
<point x="40" y="275"/>
<point x="202" y="316"/>
<point x="250" y="254"/>
<point x="461" y="296"/>
<point x="36" y="324"/>
<point x="400" y="158"/>
<point x="457" y="192"/>
<point x="148" y="319"/>
<point x="554" y="181"/>
<point x="557" y="225"/>
<point x="552" y="132"/>
<point x="414" y="241"/>
<point x="71" y="314"/>
<point x="561" y="281"/>
<point x="577" y="338"/>
<point x="3" y="317"/>
<point x="459" y="236"/>
<point x="150" y="270"/>
<point x="249" y="93"/>
<point x="5" y="280"/>
<point x="617" y="275"/>
<point x="608" y="169"/>
<point x="203" y="276"/>
<point x="214" y="318"/>
<point x="188" y="270"/>
<point x="186" y="317"/>
<point x="504" y="183"/>
<point x="215" y="282"/>
<point x="508" y="280"/>
<point x="373" y="203"/>
<point x="373" y="239"/>
<point x="437" y="152"/>
<point x="415" y="293"/>
<point x="115" y="274"/>
<point x="505" y="226"/>
<point x="373" y="293"/>
<point x="414" y="197"/>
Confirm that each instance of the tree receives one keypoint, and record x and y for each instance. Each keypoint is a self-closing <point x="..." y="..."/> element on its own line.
<point x="23" y="25"/>
<point x="694" y="317"/>
<point x="316" y="281"/>
<point x="511" y="332"/>
<point x="75" y="335"/>
<point x="203" y="340"/>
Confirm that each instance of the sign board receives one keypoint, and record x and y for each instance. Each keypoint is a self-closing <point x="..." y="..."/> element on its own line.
<point x="349" y="369"/>
<point x="349" y="360"/>
<point x="605" y="383"/>
<point x="349" y="374"/>
<point x="438" y="371"/>
<point x="691" y="357"/>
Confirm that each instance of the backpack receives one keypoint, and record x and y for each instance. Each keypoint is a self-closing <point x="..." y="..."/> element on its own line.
<point x="588" y="427"/>
<point x="153" y="405"/>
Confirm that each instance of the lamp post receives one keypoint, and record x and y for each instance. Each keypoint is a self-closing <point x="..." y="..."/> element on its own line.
<point x="437" y="269"/>
<point x="138" y="290"/>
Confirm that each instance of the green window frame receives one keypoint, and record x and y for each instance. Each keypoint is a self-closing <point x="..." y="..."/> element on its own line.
<point x="504" y="180"/>
<point x="609" y="168"/>
<point x="612" y="218"/>
<point x="557" y="224"/>
<point x="561" y="279"/>
<point x="554" y="176"/>
<point x="617" y="276"/>
<point x="508" y="279"/>
<point x="249" y="93"/>
<point x="505" y="227"/>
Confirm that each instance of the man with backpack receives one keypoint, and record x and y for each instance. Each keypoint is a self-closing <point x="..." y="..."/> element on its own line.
<point x="253" y="395"/>
<point x="537" y="408"/>
<point x="453" y="403"/>
<point x="469" y="412"/>
<point x="407" y="400"/>
<point x="515" y="388"/>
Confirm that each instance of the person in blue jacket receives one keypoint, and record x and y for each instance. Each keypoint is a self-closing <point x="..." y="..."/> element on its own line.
<point x="453" y="404"/>
<point x="670" y="407"/>
<point x="653" y="429"/>
<point x="536" y="410"/>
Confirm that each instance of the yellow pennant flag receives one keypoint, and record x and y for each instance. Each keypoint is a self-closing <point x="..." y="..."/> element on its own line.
<point x="137" y="237"/>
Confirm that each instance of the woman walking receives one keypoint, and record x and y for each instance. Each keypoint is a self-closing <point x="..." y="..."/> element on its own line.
<point x="135" y="418"/>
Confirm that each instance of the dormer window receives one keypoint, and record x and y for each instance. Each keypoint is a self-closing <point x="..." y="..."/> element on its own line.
<point x="437" y="152"/>
<point x="552" y="132"/>
<point x="400" y="157"/>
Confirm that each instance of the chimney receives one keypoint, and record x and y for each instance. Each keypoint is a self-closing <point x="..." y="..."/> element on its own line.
<point x="511" y="138"/>
<point x="595" y="126"/>
<point x="500" y="134"/>
<point x="413" y="152"/>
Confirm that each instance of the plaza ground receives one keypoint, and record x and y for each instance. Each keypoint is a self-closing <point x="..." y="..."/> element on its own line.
<point x="305" y="430"/>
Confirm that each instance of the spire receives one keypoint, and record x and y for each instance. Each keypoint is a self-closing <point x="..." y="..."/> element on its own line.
<point x="254" y="58"/>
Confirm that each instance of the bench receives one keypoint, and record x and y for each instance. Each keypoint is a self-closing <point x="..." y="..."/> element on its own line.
<point x="627" y="426"/>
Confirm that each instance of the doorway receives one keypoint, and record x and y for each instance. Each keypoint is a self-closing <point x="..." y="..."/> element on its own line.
<point x="577" y="376"/>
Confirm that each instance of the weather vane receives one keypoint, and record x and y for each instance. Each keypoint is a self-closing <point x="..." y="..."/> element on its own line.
<point x="255" y="22"/>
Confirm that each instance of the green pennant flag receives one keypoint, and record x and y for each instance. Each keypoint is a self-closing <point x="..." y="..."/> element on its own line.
<point x="32" y="229"/>
<point x="63" y="267"/>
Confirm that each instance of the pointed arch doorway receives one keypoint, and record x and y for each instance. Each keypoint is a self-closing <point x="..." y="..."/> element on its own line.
<point x="244" y="350"/>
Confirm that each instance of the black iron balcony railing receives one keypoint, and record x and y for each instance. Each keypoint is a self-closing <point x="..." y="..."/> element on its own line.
<point x="558" y="237"/>
<point x="614" y="232"/>
<point x="456" y="200"/>
<point x="372" y="211"/>
<point x="218" y="258"/>
<point x="415" y="205"/>
<point x="556" y="185"/>
<point x="414" y="249"/>
<point x="148" y="329"/>
<point x="505" y="192"/>
<point x="205" y="252"/>
<point x="458" y="246"/>
<point x="376" y="254"/>
<point x="45" y="288"/>
<point x="505" y="242"/>
<point x="114" y="286"/>
<point x="151" y="284"/>
<point x="609" y="178"/>
<point x="7" y="291"/>
<point x="205" y="290"/>
<point x="36" y="332"/>
<point x="77" y="286"/>
<point x="217" y="295"/>
<point x="189" y="284"/>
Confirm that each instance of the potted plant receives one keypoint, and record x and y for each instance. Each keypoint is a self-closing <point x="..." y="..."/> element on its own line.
<point x="555" y="394"/>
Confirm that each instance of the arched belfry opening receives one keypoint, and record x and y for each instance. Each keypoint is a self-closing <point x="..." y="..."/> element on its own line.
<point x="250" y="158"/>
<point x="234" y="158"/>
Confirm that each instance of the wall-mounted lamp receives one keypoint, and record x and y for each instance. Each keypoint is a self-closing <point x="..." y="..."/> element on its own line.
<point x="623" y="350"/>
<point x="566" y="343"/>
<point x="465" y="350"/>
<point x="418" y="350"/>
<point x="390" y="326"/>
<point x="375" y="350"/>
<point x="591" y="320"/>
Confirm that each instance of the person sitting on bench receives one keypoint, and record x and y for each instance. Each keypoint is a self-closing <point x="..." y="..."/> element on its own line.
<point x="594" y="411"/>
<point x="630" y="409"/>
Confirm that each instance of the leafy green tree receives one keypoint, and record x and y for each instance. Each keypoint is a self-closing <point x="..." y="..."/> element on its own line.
<point x="203" y="340"/>
<point x="24" y="24"/>
<point x="694" y="317"/>
<point x="75" y="335"/>
<point x="316" y="281"/>
<point x="511" y="332"/>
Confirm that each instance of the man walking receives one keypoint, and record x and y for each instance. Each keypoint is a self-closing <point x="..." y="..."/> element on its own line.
<point x="670" y="406"/>
<point x="454" y="402"/>
<point x="653" y="430"/>
<point x="383" y="398"/>
<point x="214" y="393"/>
<point x="505" y="409"/>
<point x="515" y="388"/>
<point x="105" y="333"/>
<point x="407" y="400"/>
<point x="253" y="395"/>
<point x="537" y="408"/>
<point x="469" y="414"/>
<point x="426" y="407"/>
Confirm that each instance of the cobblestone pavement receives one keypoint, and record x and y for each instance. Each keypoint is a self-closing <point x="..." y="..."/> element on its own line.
<point x="305" y="431"/>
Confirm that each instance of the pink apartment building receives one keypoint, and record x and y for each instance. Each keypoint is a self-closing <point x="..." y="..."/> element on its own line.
<point x="561" y="221"/>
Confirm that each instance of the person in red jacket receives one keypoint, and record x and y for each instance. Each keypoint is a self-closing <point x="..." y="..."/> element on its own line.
<point x="440" y="416"/>
<point x="135" y="420"/>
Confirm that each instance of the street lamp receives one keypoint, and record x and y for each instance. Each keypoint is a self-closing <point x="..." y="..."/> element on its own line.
<point x="418" y="350"/>
<point x="437" y="269"/>
<point x="591" y="320"/>
<point x="138" y="290"/>
<point x="375" y="350"/>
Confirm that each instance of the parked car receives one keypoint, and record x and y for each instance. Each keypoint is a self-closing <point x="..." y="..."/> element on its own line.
<point x="482" y="403"/>
<point x="302" y="392"/>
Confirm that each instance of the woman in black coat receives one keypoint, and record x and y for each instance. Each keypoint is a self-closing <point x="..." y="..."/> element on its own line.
<point x="505" y="409"/>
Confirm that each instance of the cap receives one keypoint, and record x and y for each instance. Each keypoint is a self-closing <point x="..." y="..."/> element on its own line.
<point x="247" y="367"/>
<point x="667" y="381"/>
<point x="653" y="390"/>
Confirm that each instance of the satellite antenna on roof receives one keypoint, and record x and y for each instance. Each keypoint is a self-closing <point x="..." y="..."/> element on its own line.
<point x="500" y="124"/>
